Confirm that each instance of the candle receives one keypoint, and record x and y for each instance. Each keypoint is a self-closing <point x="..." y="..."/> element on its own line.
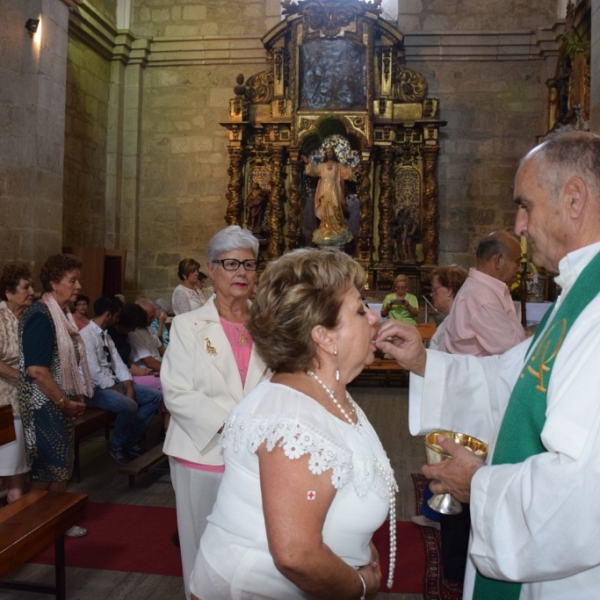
<point x="523" y="245"/>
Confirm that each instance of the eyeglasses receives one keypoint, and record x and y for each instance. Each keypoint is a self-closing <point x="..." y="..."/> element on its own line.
<point x="232" y="264"/>
<point x="433" y="289"/>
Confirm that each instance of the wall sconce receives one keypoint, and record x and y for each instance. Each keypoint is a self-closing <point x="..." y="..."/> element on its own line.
<point x="32" y="25"/>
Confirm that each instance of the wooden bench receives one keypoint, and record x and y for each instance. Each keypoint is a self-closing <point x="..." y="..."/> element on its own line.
<point x="142" y="463"/>
<point x="384" y="372"/>
<point x="94" y="419"/>
<point x="30" y="524"/>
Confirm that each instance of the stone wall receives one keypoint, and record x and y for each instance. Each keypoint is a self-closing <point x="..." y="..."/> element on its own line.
<point x="155" y="18"/>
<point x="32" y="93"/>
<point x="475" y="15"/>
<point x="183" y="168"/>
<point x="88" y="77"/>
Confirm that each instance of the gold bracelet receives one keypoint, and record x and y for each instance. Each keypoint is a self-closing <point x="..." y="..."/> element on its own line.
<point x="61" y="403"/>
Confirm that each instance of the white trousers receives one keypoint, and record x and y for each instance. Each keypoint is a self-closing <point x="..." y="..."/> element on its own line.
<point x="195" y="495"/>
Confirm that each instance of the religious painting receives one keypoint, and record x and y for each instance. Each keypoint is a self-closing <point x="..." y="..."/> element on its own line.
<point x="332" y="75"/>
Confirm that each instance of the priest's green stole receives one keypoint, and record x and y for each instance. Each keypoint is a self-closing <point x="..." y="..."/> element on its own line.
<point x="520" y="432"/>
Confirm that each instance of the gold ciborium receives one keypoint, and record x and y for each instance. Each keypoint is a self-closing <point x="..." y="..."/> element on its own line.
<point x="446" y="503"/>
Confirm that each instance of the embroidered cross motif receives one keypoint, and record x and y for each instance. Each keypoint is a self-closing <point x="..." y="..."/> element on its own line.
<point x="311" y="495"/>
<point x="545" y="353"/>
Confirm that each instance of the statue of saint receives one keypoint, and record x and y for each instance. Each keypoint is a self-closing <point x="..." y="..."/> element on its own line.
<point x="407" y="236"/>
<point x="256" y="202"/>
<point x="330" y="202"/>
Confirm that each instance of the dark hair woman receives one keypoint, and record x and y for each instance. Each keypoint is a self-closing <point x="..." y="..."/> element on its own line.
<point x="80" y="314"/>
<point x="188" y="294"/>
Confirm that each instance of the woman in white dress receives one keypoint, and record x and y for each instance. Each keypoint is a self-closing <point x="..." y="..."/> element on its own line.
<point x="306" y="480"/>
<point x="188" y="294"/>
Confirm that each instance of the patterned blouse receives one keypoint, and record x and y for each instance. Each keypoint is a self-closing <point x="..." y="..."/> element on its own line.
<point x="9" y="354"/>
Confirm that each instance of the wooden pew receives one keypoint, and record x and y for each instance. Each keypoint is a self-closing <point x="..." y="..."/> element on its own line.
<point x="30" y="524"/>
<point x="94" y="419"/>
<point x="142" y="463"/>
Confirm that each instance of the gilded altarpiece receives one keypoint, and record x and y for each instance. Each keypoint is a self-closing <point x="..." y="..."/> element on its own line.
<point x="335" y="144"/>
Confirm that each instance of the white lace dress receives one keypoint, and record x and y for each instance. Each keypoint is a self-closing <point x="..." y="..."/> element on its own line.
<point x="234" y="560"/>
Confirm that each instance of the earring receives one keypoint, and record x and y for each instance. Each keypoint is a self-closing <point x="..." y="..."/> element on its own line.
<point x="337" y="368"/>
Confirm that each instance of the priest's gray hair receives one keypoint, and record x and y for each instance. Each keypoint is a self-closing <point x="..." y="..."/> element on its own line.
<point x="231" y="238"/>
<point x="564" y="154"/>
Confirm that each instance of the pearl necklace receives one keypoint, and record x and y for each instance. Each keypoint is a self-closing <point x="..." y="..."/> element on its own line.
<point x="335" y="401"/>
<point x="389" y="480"/>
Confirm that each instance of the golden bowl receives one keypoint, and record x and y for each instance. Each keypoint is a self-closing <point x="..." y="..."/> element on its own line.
<point x="446" y="503"/>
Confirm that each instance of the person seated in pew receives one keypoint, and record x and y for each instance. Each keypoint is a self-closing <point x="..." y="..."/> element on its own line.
<point x="146" y="348"/>
<point x="401" y="305"/>
<point x="114" y="390"/>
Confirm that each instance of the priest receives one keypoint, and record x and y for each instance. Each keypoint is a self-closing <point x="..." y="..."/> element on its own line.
<point x="534" y="505"/>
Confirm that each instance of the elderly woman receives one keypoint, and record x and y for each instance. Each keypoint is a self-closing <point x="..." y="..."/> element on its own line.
<point x="16" y="291"/>
<point x="80" y="314"/>
<point x="51" y="389"/>
<point x="307" y="481"/>
<point x="209" y="366"/>
<point x="401" y="305"/>
<point x="445" y="283"/>
<point x="188" y="294"/>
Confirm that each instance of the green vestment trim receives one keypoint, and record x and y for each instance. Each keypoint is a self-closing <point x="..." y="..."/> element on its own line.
<point x="520" y="433"/>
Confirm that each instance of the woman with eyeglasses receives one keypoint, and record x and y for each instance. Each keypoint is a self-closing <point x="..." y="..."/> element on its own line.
<point x="209" y="366"/>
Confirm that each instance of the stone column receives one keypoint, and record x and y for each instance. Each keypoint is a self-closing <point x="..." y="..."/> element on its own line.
<point x="131" y="95"/>
<point x="32" y="130"/>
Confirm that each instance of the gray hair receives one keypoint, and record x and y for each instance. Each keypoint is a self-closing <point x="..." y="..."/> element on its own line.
<point x="564" y="154"/>
<point x="162" y="304"/>
<point x="231" y="238"/>
<point x="145" y="303"/>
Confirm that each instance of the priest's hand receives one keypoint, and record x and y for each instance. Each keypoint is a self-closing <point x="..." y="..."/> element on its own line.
<point x="403" y="342"/>
<point x="453" y="475"/>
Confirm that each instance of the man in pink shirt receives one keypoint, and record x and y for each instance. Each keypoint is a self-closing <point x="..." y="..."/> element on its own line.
<point x="483" y="320"/>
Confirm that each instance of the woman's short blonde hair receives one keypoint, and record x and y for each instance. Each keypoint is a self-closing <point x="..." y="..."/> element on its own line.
<point x="400" y="277"/>
<point x="297" y="292"/>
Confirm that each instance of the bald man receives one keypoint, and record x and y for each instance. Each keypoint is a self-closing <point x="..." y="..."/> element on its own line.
<point x="483" y="320"/>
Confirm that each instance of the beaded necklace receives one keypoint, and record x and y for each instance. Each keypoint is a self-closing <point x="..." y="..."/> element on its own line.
<point x="335" y="400"/>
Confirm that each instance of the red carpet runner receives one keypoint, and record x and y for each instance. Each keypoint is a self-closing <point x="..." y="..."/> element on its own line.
<point x="137" y="539"/>
<point x="123" y="537"/>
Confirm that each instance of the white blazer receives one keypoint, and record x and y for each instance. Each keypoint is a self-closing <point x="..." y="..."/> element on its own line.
<point x="201" y="384"/>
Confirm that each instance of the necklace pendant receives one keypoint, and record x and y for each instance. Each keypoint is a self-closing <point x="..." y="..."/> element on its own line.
<point x="243" y="340"/>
